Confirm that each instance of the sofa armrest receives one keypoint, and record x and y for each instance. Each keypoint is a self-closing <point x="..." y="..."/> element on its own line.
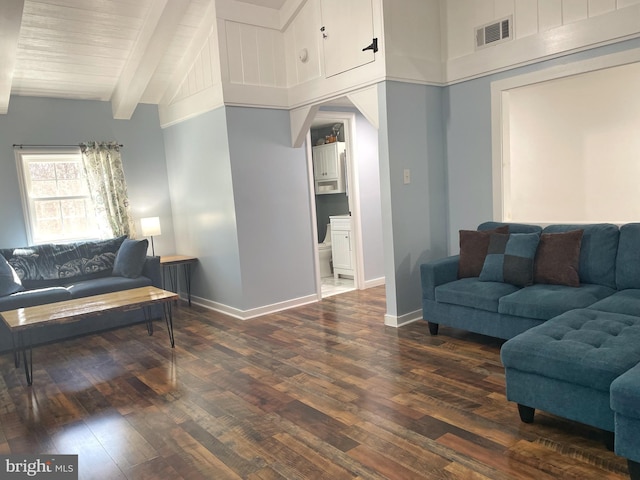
<point x="438" y="272"/>
<point x="153" y="271"/>
<point x="625" y="402"/>
<point x="625" y="393"/>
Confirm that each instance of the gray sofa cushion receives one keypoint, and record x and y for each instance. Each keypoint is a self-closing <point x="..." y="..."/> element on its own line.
<point x="628" y="260"/>
<point x="625" y="301"/>
<point x="49" y="265"/>
<point x="546" y="301"/>
<point x="582" y="347"/>
<point x="99" y="286"/>
<point x="29" y="298"/>
<point x="471" y="292"/>
<point x="597" y="253"/>
<point x="9" y="280"/>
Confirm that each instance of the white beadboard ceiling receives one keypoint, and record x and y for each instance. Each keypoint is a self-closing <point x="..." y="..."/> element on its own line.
<point x="123" y="51"/>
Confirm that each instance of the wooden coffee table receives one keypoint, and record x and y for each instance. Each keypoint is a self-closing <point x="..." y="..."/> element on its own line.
<point x="22" y="320"/>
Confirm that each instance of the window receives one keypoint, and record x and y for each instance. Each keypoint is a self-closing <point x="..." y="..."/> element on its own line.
<point x="56" y="200"/>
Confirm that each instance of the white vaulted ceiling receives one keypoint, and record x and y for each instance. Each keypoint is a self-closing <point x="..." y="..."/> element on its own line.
<point x="123" y="51"/>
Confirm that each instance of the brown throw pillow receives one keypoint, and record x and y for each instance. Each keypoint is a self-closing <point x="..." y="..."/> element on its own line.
<point x="473" y="250"/>
<point x="558" y="258"/>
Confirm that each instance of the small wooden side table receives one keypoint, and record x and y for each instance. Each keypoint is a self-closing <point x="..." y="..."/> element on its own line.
<point x="170" y="263"/>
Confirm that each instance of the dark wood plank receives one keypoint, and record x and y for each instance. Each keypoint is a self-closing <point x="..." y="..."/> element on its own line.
<point x="321" y="391"/>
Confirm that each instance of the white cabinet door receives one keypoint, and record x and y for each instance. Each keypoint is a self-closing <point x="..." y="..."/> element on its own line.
<point x="342" y="246"/>
<point x="348" y="28"/>
<point x="341" y="250"/>
<point x="327" y="161"/>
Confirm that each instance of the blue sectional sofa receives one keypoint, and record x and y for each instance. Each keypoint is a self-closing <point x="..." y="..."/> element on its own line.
<point x="41" y="274"/>
<point x="573" y="338"/>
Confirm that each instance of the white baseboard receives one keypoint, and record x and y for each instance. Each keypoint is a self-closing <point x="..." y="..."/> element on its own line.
<point x="402" y="320"/>
<point x="254" y="312"/>
<point x="376" y="282"/>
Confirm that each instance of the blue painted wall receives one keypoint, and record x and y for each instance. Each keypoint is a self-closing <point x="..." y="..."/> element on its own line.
<point x="54" y="121"/>
<point x="240" y="195"/>
<point x="414" y="216"/>
<point x="199" y="169"/>
<point x="273" y="207"/>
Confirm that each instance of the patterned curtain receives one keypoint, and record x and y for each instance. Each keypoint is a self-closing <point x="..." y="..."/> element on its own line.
<point x="103" y="168"/>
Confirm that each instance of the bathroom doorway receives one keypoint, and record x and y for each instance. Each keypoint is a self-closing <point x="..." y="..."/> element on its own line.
<point x="331" y="162"/>
<point x="354" y="205"/>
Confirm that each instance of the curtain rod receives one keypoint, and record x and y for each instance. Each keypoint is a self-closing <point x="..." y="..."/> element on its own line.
<point x="20" y="145"/>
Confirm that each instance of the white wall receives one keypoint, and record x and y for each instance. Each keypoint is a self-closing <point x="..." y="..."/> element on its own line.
<point x="574" y="148"/>
<point x="413" y="40"/>
<point x="542" y="29"/>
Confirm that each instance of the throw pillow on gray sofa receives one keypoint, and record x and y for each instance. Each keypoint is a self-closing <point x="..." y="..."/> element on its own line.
<point x="473" y="250"/>
<point x="9" y="280"/>
<point x="130" y="258"/>
<point x="510" y="258"/>
<point x="558" y="258"/>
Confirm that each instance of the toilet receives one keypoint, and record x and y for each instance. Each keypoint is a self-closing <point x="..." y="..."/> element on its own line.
<point x="324" y="254"/>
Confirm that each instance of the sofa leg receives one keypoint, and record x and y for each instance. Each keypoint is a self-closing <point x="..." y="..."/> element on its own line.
<point x="433" y="328"/>
<point x="634" y="469"/>
<point x="609" y="441"/>
<point x="526" y="413"/>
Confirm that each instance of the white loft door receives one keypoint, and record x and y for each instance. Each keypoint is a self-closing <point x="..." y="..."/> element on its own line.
<point x="348" y="28"/>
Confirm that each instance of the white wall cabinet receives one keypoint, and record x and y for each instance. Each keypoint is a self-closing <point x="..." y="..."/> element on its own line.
<point x="342" y="246"/>
<point x="328" y="168"/>
<point x="347" y="28"/>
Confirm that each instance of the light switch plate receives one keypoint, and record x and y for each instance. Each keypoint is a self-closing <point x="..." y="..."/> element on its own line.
<point x="407" y="176"/>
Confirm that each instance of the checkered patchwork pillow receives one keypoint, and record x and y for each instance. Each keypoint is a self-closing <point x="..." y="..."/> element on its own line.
<point x="510" y="258"/>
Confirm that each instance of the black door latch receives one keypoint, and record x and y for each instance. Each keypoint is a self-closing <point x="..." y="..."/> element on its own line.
<point x="373" y="46"/>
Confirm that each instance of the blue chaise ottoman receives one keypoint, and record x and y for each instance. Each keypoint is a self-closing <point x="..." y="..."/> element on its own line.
<point x="625" y="402"/>
<point x="566" y="365"/>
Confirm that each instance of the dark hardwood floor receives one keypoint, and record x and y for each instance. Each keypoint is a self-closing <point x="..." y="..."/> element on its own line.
<point x="324" y="391"/>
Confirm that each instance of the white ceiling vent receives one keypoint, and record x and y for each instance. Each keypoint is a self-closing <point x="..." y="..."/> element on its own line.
<point x="493" y="33"/>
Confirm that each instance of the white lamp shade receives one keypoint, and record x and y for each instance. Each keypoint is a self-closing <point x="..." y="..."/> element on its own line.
<point x="150" y="226"/>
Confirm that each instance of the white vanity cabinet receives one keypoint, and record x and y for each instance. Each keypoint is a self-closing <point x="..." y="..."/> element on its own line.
<point x="328" y="168"/>
<point x="342" y="246"/>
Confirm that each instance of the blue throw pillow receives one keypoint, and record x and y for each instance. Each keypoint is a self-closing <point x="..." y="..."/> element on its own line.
<point x="130" y="258"/>
<point x="9" y="280"/>
<point x="510" y="258"/>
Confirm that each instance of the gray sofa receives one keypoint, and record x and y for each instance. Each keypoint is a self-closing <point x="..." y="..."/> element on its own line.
<point x="36" y="275"/>
<point x="573" y="351"/>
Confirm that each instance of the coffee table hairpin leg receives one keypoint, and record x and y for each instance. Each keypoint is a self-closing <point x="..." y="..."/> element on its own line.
<point x="28" y="362"/>
<point x="148" y="319"/>
<point x="167" y="316"/>
<point x="169" y="319"/>
<point x="16" y="352"/>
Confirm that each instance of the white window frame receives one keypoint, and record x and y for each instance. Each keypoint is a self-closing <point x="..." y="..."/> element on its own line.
<point x="28" y="204"/>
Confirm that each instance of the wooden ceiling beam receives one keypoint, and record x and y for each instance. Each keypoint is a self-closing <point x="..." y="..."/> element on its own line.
<point x="154" y="39"/>
<point x="10" y="20"/>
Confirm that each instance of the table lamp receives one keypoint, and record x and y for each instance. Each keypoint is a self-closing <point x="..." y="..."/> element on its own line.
<point x="150" y="226"/>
